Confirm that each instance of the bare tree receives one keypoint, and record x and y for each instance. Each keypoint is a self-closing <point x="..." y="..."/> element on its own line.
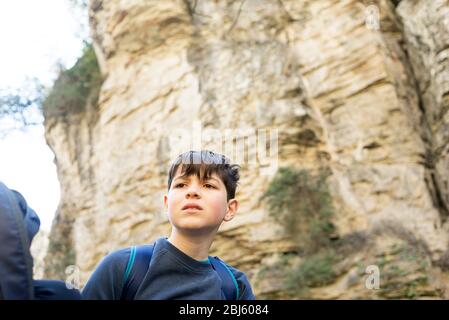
<point x="21" y="107"/>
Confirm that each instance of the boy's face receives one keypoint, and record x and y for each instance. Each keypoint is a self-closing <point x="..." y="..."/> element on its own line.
<point x="209" y="195"/>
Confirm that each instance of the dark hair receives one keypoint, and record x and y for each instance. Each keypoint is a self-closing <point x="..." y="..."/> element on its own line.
<point x="203" y="164"/>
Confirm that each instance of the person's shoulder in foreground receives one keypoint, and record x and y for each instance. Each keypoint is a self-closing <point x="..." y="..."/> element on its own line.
<point x="201" y="196"/>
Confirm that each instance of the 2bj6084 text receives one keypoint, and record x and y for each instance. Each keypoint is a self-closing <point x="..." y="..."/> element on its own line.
<point x="227" y="309"/>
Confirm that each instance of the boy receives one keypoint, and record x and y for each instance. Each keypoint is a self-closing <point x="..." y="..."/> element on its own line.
<point x="201" y="191"/>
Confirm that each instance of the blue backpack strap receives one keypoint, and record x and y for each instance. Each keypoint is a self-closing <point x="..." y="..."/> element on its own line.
<point x="137" y="267"/>
<point x="229" y="287"/>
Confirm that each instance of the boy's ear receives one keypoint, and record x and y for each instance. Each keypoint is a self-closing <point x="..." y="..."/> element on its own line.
<point x="233" y="205"/>
<point x="166" y="201"/>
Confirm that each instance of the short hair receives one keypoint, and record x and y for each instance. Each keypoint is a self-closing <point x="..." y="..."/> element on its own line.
<point x="203" y="164"/>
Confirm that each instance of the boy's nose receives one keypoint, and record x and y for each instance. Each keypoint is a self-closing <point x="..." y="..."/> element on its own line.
<point x="192" y="192"/>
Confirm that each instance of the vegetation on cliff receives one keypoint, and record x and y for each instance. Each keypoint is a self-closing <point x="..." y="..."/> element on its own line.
<point x="75" y="87"/>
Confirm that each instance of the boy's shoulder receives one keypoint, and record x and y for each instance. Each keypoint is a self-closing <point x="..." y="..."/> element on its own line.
<point x="118" y="255"/>
<point x="108" y="274"/>
<point x="121" y="257"/>
<point x="114" y="263"/>
<point x="236" y="272"/>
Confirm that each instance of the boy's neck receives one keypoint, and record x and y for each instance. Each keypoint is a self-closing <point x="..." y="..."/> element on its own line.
<point x="197" y="247"/>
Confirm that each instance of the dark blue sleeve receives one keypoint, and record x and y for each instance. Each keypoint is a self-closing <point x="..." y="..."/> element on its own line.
<point x="30" y="218"/>
<point x="54" y="290"/>
<point x="246" y="292"/>
<point x="16" y="263"/>
<point x="106" y="281"/>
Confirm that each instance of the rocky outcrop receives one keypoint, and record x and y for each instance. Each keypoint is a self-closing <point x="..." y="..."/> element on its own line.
<point x="425" y="27"/>
<point x="336" y="89"/>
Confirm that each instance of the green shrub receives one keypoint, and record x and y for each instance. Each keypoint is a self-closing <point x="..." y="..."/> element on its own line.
<point x="302" y="204"/>
<point x="316" y="270"/>
<point x="75" y="86"/>
<point x="404" y="272"/>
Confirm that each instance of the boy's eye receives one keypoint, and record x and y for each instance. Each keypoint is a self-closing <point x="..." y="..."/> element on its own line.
<point x="207" y="185"/>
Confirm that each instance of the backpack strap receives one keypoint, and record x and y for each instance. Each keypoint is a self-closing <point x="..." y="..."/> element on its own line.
<point x="138" y="264"/>
<point x="229" y="284"/>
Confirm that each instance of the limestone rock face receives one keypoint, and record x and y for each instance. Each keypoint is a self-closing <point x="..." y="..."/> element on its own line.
<point x="426" y="26"/>
<point x="326" y="83"/>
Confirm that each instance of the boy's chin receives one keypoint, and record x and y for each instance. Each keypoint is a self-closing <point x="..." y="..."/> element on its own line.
<point x="196" y="230"/>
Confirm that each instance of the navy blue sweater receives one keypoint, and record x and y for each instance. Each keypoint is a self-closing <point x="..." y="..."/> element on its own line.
<point x="172" y="275"/>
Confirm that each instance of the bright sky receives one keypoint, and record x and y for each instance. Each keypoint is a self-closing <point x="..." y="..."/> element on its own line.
<point x="34" y="36"/>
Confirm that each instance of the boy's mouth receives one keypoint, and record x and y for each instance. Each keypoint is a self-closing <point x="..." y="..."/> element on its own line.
<point x="191" y="205"/>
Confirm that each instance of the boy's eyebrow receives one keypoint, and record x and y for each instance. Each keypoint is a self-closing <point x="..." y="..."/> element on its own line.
<point x="211" y="178"/>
